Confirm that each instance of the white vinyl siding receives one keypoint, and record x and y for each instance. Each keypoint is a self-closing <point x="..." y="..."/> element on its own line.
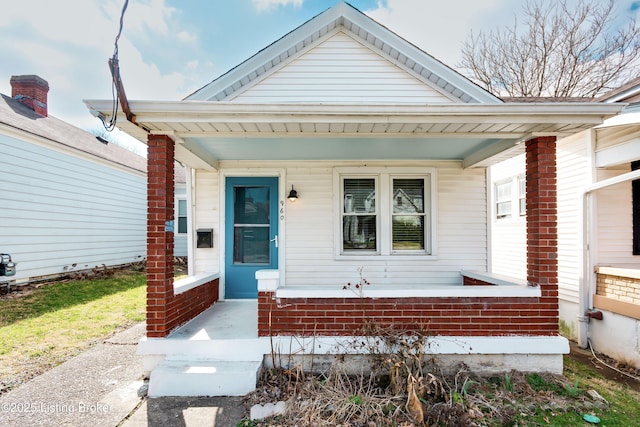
<point x="615" y="223"/>
<point x="207" y="215"/>
<point x="61" y="212"/>
<point x="573" y="175"/>
<point x="309" y="223"/>
<point x="508" y="234"/>
<point x="341" y="69"/>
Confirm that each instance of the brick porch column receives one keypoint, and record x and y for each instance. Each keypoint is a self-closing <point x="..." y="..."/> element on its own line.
<point x="542" y="227"/>
<point x="160" y="193"/>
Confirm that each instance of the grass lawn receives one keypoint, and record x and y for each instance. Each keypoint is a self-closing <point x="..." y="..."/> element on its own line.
<point x="44" y="328"/>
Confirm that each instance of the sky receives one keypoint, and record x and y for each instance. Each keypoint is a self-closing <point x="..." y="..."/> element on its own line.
<point x="170" y="48"/>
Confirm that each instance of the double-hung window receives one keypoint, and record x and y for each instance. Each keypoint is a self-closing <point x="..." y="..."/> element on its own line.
<point x="522" y="195"/>
<point x="503" y="199"/>
<point x="510" y="197"/>
<point x="182" y="216"/>
<point x="385" y="212"/>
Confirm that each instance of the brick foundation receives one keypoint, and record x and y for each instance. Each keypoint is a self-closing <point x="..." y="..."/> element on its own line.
<point x="166" y="311"/>
<point x="621" y="288"/>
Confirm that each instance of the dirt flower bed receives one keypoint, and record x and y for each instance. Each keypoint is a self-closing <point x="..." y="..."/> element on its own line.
<point x="434" y="399"/>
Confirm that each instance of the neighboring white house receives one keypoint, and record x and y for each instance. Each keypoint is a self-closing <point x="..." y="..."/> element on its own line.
<point x="68" y="200"/>
<point x="598" y="229"/>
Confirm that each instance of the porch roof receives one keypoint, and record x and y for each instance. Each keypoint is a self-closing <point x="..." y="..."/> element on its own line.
<point x="477" y="134"/>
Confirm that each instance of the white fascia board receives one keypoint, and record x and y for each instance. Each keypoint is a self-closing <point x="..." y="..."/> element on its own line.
<point x="618" y="154"/>
<point x="217" y="112"/>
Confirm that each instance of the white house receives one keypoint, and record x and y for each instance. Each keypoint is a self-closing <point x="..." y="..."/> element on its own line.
<point x="338" y="147"/>
<point x="598" y="229"/>
<point x="68" y="200"/>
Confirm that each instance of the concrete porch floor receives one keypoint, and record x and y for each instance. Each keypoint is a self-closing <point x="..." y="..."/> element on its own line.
<point x="225" y="320"/>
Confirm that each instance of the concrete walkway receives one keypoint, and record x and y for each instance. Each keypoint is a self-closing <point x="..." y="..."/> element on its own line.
<point x="104" y="387"/>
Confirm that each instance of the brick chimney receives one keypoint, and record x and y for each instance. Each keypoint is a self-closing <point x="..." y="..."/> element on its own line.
<point x="32" y="91"/>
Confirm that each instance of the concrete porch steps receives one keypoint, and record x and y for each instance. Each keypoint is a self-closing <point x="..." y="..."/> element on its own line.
<point x="204" y="378"/>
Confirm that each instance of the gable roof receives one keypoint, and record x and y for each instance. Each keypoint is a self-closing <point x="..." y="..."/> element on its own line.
<point x="628" y="92"/>
<point x="232" y="119"/>
<point x="17" y="116"/>
<point x="347" y="19"/>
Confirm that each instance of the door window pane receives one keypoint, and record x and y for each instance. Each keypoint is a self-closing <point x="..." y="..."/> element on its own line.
<point x="251" y="205"/>
<point x="251" y="245"/>
<point x="251" y="235"/>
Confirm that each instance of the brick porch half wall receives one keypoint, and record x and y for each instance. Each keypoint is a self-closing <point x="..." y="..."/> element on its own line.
<point x="472" y="316"/>
<point x="166" y="311"/>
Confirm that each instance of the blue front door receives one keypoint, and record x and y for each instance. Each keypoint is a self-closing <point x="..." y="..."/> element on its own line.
<point x="251" y="233"/>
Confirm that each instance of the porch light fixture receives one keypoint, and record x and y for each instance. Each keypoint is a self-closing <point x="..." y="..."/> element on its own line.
<point x="293" y="195"/>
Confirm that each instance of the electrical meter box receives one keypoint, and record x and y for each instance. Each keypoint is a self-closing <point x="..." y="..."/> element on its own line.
<point x="7" y="267"/>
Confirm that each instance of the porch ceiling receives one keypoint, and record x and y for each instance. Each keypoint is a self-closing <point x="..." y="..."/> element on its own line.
<point x="476" y="134"/>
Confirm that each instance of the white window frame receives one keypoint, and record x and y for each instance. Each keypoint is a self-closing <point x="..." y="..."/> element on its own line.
<point x="177" y="216"/>
<point x="514" y="214"/>
<point x="522" y="195"/>
<point x="508" y="183"/>
<point x="384" y="210"/>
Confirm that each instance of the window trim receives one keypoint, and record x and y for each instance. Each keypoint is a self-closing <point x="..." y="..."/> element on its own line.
<point x="509" y="183"/>
<point x="186" y="216"/>
<point x="515" y="214"/>
<point x="384" y="209"/>
<point x="523" y="196"/>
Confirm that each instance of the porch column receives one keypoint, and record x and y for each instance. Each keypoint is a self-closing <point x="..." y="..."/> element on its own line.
<point x="542" y="228"/>
<point x="160" y="194"/>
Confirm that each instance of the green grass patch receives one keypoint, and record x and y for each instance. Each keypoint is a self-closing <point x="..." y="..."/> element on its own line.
<point x="42" y="329"/>
<point x="623" y="402"/>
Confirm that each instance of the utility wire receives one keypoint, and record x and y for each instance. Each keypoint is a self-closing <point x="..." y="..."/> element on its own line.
<point x="609" y="365"/>
<point x="113" y="65"/>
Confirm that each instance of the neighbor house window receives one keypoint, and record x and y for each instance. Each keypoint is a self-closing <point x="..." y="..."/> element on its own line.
<point x="503" y="199"/>
<point x="522" y="195"/>
<point x="182" y="216"/>
<point x="385" y="213"/>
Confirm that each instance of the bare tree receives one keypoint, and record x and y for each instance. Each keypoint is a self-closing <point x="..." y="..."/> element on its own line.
<point x="559" y="51"/>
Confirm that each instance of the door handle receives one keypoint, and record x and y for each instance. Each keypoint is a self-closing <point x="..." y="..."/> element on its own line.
<point x="275" y="239"/>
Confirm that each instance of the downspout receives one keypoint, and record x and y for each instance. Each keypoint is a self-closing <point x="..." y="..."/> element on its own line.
<point x="585" y="293"/>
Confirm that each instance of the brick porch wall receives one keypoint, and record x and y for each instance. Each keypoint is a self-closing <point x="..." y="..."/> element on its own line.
<point x="166" y="311"/>
<point x="480" y="316"/>
<point x="437" y="316"/>
<point x="470" y="281"/>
